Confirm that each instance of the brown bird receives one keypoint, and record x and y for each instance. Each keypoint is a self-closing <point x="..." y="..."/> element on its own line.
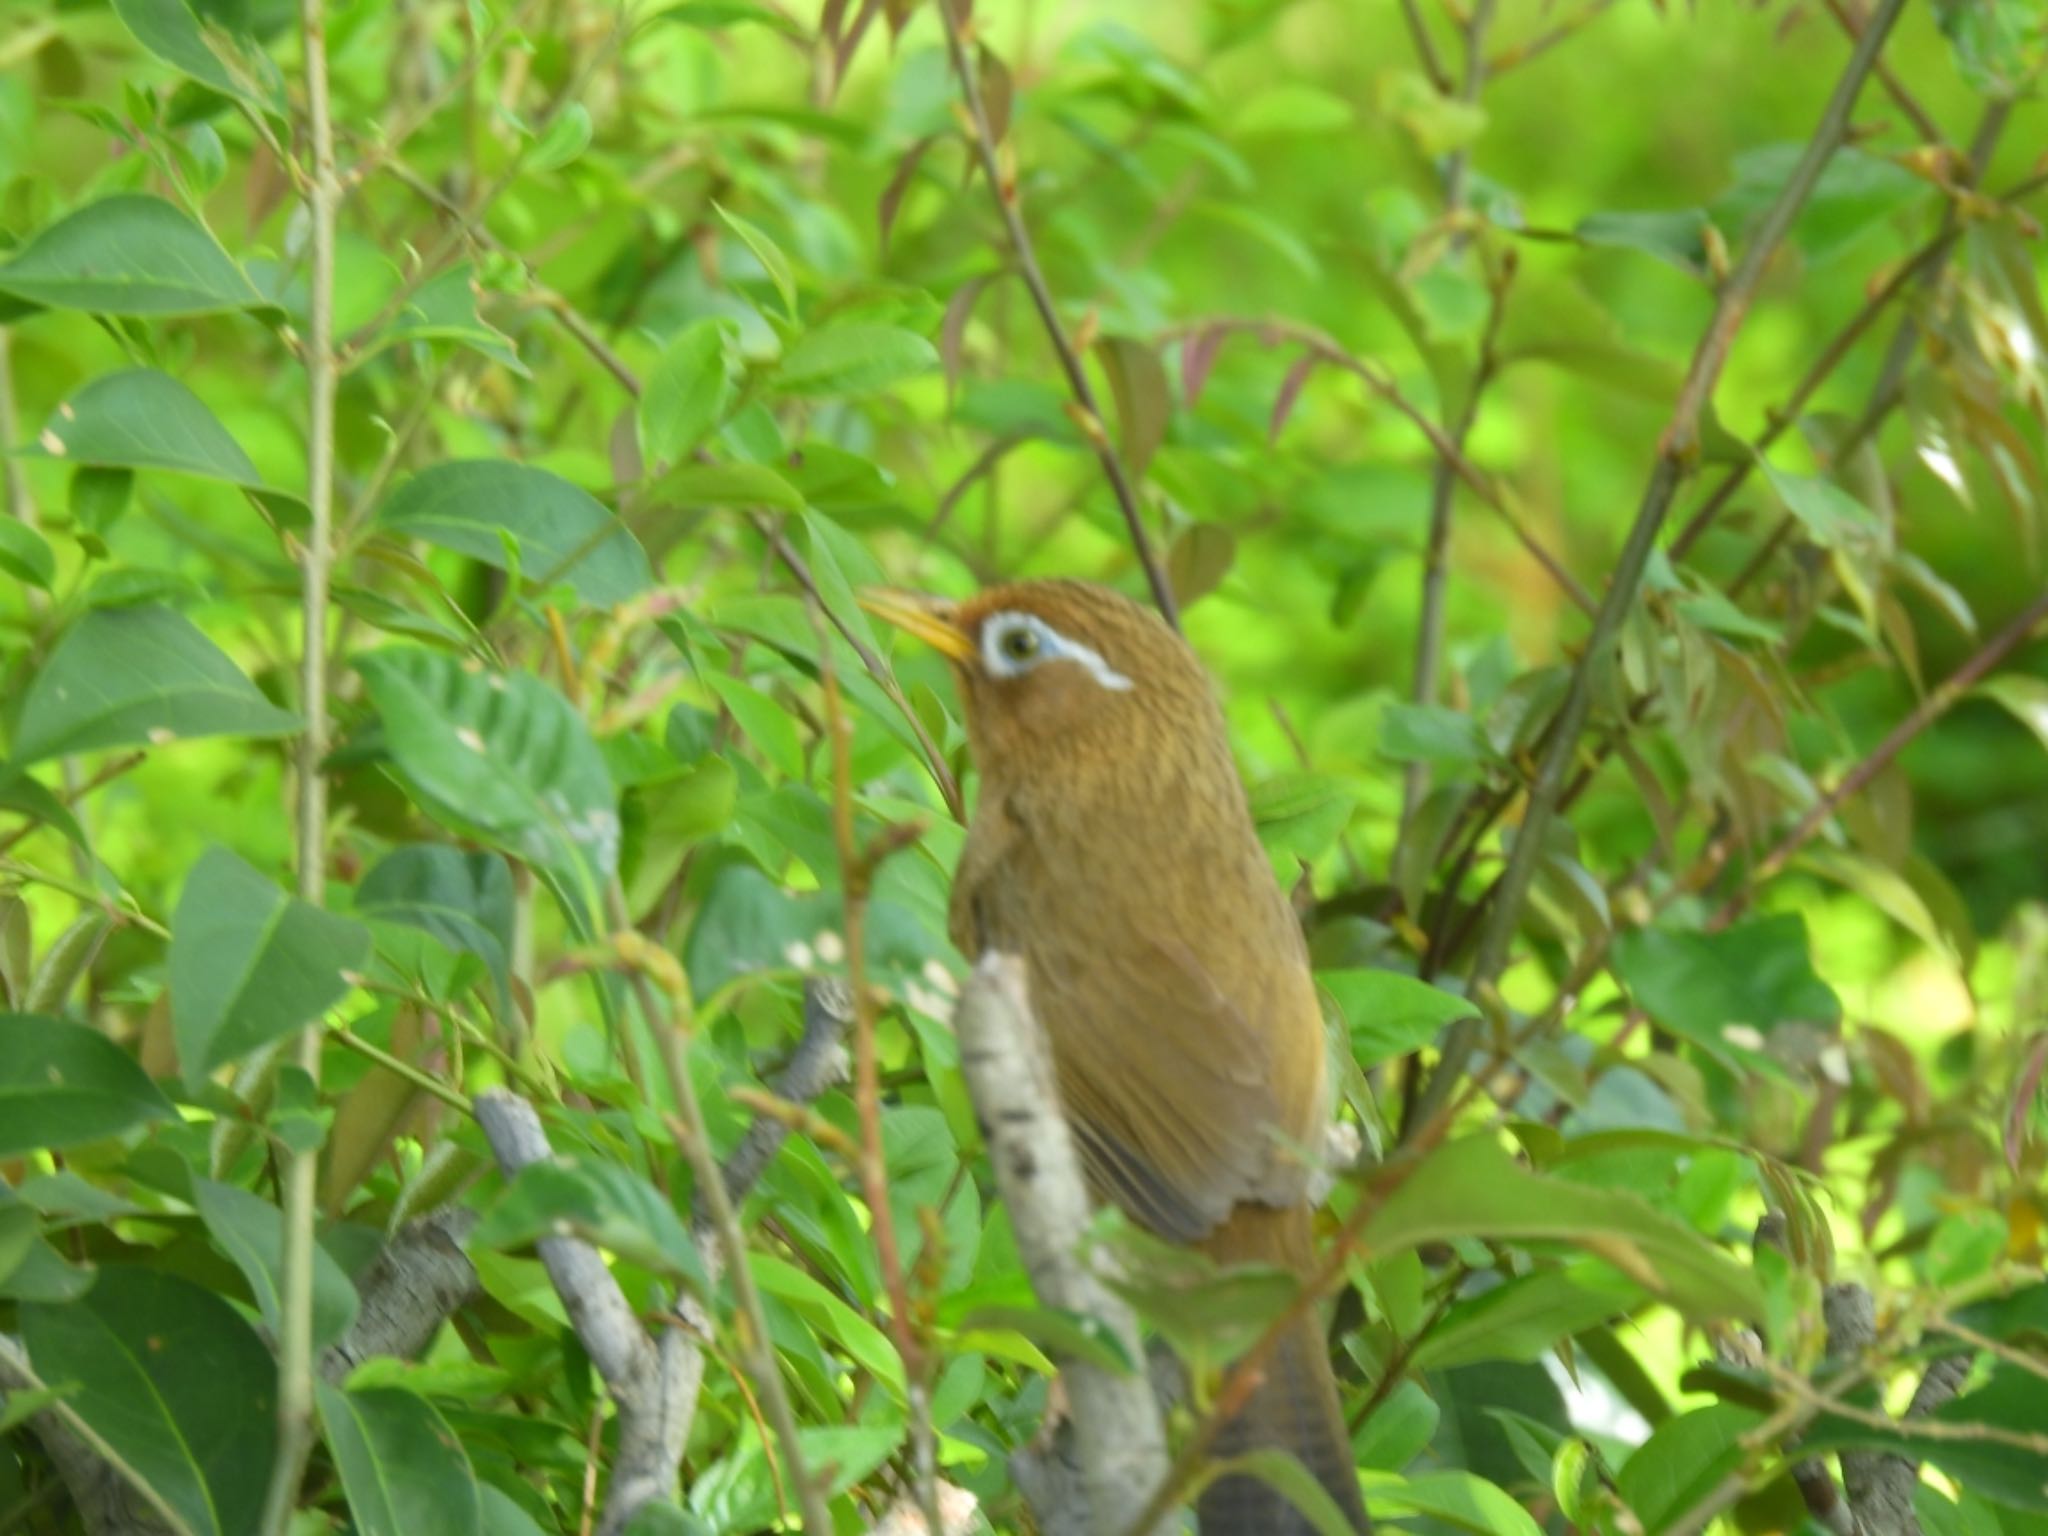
<point x="1112" y="848"/>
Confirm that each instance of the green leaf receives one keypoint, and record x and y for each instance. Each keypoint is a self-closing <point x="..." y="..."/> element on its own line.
<point x="2025" y="698"/>
<point x="738" y="1492"/>
<point x="62" y="1084"/>
<point x="611" y="1206"/>
<point x="444" y="308"/>
<point x="463" y="899"/>
<point x="1754" y="976"/>
<point x="1144" y="400"/>
<point x="1291" y="109"/>
<point x="403" y="1468"/>
<point x="129" y="254"/>
<point x="1682" y="1461"/>
<point x="768" y="253"/>
<point x="124" y="677"/>
<point x="1430" y="733"/>
<point x="250" y="964"/>
<point x="500" y="755"/>
<point x="1472" y="1189"/>
<point x="1389" y="1014"/>
<point x="1830" y="515"/>
<point x="25" y="554"/>
<point x="853" y="360"/>
<point x="1299" y="815"/>
<point x="1716" y="612"/>
<point x="229" y="62"/>
<point x="1523" y="1318"/>
<point x="686" y="395"/>
<point x="173" y="1380"/>
<point x="139" y="418"/>
<point x="766" y="723"/>
<point x="1676" y="238"/>
<point x="564" y="139"/>
<point x="250" y="1230"/>
<point x="1458" y="1499"/>
<point x="564" y="534"/>
<point x="725" y="485"/>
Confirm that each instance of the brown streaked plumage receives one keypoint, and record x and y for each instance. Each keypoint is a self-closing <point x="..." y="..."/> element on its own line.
<point x="1113" y="849"/>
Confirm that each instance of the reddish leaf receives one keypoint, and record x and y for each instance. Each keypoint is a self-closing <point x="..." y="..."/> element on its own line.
<point x="2023" y="1100"/>
<point x="1197" y="357"/>
<point x="953" y="330"/>
<point x="1290" y="391"/>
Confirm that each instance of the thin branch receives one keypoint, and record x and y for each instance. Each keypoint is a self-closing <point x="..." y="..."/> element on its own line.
<point x="1518" y="54"/>
<point x="1937" y="703"/>
<point x="295" y="1363"/>
<point x="1425" y="48"/>
<point x="1429" y="628"/>
<point x="1889" y="389"/>
<point x="1003" y="189"/>
<point x="934" y="759"/>
<point x="645" y="1376"/>
<point x="1327" y="350"/>
<point x="1007" y="1063"/>
<point x="1852" y="24"/>
<point x="857" y="868"/>
<point x="668" y="1024"/>
<point x="1677" y="453"/>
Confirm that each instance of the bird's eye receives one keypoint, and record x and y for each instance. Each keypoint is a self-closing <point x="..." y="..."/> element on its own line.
<point x="1019" y="644"/>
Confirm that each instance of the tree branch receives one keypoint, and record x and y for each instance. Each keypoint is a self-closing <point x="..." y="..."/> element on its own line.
<point x="1007" y="1062"/>
<point x="1677" y="452"/>
<point x="668" y="1025"/>
<point x="1004" y="191"/>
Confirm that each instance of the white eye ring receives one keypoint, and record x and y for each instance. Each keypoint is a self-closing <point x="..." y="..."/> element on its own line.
<point x="1014" y="643"/>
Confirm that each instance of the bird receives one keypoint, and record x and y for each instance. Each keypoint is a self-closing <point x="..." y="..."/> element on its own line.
<point x="1112" y="847"/>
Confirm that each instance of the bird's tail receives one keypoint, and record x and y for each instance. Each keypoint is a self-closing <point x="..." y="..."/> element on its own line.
<point x="1295" y="1408"/>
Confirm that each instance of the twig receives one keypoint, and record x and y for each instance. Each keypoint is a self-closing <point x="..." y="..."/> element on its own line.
<point x="1429" y="626"/>
<point x="1425" y="48"/>
<point x="1676" y="453"/>
<point x="857" y="868"/>
<point x="1003" y="189"/>
<point x="694" y="1141"/>
<point x="1844" y="12"/>
<point x="934" y="759"/>
<point x="1890" y="386"/>
<point x="1007" y="1062"/>
<point x="644" y="1376"/>
<point x="1938" y="702"/>
<point x="295" y="1365"/>
<point x="1327" y="350"/>
<point x="1518" y="54"/>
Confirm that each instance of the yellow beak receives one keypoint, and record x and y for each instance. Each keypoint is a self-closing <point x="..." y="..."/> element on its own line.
<point x="930" y="619"/>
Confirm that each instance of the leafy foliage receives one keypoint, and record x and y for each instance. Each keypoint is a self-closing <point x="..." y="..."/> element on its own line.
<point x="658" y="331"/>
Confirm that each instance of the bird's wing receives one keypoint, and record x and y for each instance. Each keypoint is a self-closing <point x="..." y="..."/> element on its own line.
<point x="1167" y="1078"/>
<point x="1181" y="1091"/>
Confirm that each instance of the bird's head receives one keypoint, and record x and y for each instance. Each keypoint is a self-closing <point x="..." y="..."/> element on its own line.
<point x="1057" y="674"/>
